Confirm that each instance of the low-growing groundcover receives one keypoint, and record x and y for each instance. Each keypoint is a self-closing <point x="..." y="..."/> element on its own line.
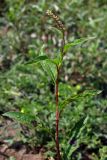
<point x="27" y="89"/>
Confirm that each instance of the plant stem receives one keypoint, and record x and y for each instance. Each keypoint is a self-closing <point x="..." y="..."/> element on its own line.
<point x="57" y="116"/>
<point x="63" y="44"/>
<point x="57" y="101"/>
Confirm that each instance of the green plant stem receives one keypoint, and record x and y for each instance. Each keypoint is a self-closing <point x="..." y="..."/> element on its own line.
<point x="57" y="117"/>
<point x="63" y="44"/>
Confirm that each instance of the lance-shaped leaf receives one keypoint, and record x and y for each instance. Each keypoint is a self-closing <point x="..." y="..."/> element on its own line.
<point x="38" y="59"/>
<point x="20" y="117"/>
<point x="49" y="66"/>
<point x="79" y="97"/>
<point x="56" y="30"/>
<point x="50" y="69"/>
<point x="74" y="134"/>
<point x="76" y="42"/>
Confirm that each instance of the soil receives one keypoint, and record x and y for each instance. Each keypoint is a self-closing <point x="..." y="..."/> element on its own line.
<point x="11" y="148"/>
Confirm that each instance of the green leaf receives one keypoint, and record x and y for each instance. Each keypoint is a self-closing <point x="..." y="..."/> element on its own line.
<point x="79" y="97"/>
<point x="75" y="43"/>
<point x="20" y="117"/>
<point x="49" y="66"/>
<point x="50" y="69"/>
<point x="56" y="30"/>
<point x="38" y="59"/>
<point x="56" y="61"/>
<point x="74" y="134"/>
<point x="68" y="100"/>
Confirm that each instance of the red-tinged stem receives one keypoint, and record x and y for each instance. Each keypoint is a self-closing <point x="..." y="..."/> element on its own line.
<point x="57" y="117"/>
<point x="57" y="100"/>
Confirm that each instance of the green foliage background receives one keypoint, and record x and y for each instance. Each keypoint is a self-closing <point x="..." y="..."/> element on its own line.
<point x="24" y="28"/>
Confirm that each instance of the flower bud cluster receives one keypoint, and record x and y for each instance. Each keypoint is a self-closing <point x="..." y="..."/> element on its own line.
<point x="56" y="19"/>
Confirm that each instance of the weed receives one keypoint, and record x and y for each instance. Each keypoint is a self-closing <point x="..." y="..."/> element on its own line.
<point x="52" y="67"/>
